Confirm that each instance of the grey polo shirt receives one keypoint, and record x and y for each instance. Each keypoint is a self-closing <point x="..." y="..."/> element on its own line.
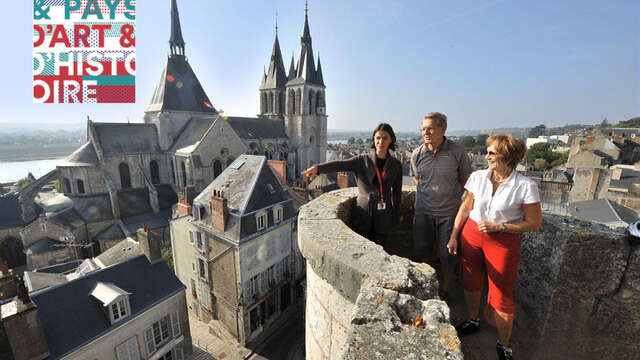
<point x="439" y="189"/>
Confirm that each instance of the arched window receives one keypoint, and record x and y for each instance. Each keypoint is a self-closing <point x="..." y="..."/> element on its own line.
<point x="292" y="101"/>
<point x="173" y="171"/>
<point x="281" y="103"/>
<point x="298" y="99"/>
<point x="66" y="186"/>
<point x="183" y="170"/>
<point x="155" y="172"/>
<point x="263" y="103"/>
<point x="217" y="168"/>
<point x="320" y="99"/>
<point x="80" y="186"/>
<point x="312" y="102"/>
<point x="270" y="102"/>
<point x="125" y="177"/>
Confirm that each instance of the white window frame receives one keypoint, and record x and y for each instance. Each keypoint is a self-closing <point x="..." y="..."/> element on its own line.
<point x="128" y="350"/>
<point x="191" y="241"/>
<point x="201" y="262"/>
<point x="150" y="337"/>
<point x="201" y="242"/>
<point x="278" y="214"/>
<point x="254" y="284"/>
<point x="261" y="220"/>
<point x="121" y="307"/>
<point x="179" y="353"/>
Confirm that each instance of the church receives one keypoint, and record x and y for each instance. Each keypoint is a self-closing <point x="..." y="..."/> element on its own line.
<point x="130" y="174"/>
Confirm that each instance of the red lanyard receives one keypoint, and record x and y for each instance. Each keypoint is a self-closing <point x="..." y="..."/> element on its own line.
<point x="380" y="179"/>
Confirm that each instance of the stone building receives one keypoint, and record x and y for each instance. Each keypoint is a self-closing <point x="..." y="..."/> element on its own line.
<point x="235" y="249"/>
<point x="130" y="310"/>
<point x="129" y="174"/>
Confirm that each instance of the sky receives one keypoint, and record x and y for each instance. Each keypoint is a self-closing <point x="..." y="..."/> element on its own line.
<point x="485" y="63"/>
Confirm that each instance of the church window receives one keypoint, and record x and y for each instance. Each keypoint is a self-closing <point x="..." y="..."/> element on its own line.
<point x="311" y="139"/>
<point x="292" y="100"/>
<point x="320" y="99"/>
<point x="280" y="103"/>
<point x="217" y="168"/>
<point x="173" y="171"/>
<point x="270" y="102"/>
<point x="67" y="186"/>
<point x="312" y="102"/>
<point x="80" y="186"/>
<point x="183" y="170"/>
<point x="155" y="172"/>
<point x="125" y="177"/>
<point x="298" y="100"/>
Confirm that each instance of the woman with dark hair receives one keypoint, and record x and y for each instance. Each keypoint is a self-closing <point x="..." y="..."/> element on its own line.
<point x="379" y="180"/>
<point x="499" y="204"/>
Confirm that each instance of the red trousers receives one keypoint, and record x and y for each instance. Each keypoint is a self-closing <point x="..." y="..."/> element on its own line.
<point x="499" y="254"/>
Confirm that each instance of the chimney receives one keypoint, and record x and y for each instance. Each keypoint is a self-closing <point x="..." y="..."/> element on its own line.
<point x="279" y="168"/>
<point x="219" y="210"/>
<point x="149" y="243"/>
<point x="21" y="334"/>
<point x="343" y="180"/>
<point x="183" y="208"/>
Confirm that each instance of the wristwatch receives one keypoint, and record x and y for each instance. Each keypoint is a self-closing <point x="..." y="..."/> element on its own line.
<point x="502" y="227"/>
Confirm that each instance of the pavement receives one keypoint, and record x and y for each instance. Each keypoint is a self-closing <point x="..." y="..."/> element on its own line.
<point x="213" y="342"/>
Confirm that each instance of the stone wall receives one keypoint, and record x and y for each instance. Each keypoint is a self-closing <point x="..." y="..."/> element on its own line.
<point x="579" y="288"/>
<point x="360" y="300"/>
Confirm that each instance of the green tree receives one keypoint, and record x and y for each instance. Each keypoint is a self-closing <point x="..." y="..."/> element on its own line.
<point x="57" y="186"/>
<point x="26" y="181"/>
<point x="538" y="151"/>
<point x="537" y="131"/>
<point x="167" y="255"/>
<point x="351" y="140"/>
<point x="479" y="149"/>
<point x="540" y="164"/>
<point x="559" y="158"/>
<point x="468" y="142"/>
<point x="359" y="141"/>
<point x="481" y="139"/>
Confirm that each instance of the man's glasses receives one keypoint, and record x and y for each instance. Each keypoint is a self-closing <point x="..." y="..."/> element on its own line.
<point x="492" y="153"/>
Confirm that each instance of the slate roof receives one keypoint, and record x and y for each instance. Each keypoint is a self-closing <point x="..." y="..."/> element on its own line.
<point x="60" y="268"/>
<point x="598" y="210"/>
<point x="71" y="317"/>
<point x="258" y="128"/>
<point x="126" y="139"/>
<point x="112" y="232"/>
<point x="93" y="208"/>
<point x="176" y="31"/>
<point x="627" y="177"/>
<point x="124" y="250"/>
<point x="134" y="202"/>
<point x="276" y="76"/>
<point x="150" y="219"/>
<point x="85" y="155"/>
<point x="39" y="280"/>
<point x="68" y="218"/>
<point x="10" y="211"/>
<point x="251" y="187"/>
<point x="191" y="132"/>
<point x="43" y="245"/>
<point x="166" y="196"/>
<point x="179" y="89"/>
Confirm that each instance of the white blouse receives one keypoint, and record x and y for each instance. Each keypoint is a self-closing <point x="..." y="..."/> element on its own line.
<point x="505" y="205"/>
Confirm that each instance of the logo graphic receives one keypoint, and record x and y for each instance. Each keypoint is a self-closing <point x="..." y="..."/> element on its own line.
<point x="84" y="51"/>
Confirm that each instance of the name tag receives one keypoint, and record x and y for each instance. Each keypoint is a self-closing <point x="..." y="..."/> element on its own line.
<point x="382" y="205"/>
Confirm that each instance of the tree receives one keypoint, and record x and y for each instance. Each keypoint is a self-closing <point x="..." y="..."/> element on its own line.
<point x="479" y="149"/>
<point x="24" y="182"/>
<point x="468" y="142"/>
<point x="560" y="158"/>
<point x="537" y="131"/>
<point x="481" y="139"/>
<point x="540" y="164"/>
<point x="538" y="151"/>
<point x="351" y="140"/>
<point x="359" y="141"/>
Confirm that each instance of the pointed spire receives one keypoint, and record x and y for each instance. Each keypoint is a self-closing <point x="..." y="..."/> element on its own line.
<point x="306" y="34"/>
<point x="176" y="42"/>
<point x="292" y="69"/>
<point x="276" y="75"/>
<point x="319" y="78"/>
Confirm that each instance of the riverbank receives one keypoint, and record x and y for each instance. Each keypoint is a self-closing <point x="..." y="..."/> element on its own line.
<point x="33" y="153"/>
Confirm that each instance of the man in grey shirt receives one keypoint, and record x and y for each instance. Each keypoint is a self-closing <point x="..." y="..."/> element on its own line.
<point x="440" y="168"/>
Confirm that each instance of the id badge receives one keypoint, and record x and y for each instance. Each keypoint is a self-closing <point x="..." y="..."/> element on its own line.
<point x="382" y="205"/>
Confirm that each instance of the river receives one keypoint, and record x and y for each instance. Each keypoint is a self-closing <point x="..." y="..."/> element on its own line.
<point x="16" y="170"/>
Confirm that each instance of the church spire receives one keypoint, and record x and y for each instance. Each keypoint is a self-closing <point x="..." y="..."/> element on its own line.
<point x="306" y="69"/>
<point x="319" y="78"/>
<point x="176" y="42"/>
<point x="276" y="75"/>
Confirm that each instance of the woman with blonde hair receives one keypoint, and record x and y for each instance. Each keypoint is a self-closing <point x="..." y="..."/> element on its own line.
<point x="500" y="203"/>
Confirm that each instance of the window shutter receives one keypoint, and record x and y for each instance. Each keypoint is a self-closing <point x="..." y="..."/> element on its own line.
<point x="175" y="324"/>
<point x="148" y="336"/>
<point x="121" y="352"/>
<point x="206" y="270"/>
<point x="179" y="355"/>
<point x="134" y="352"/>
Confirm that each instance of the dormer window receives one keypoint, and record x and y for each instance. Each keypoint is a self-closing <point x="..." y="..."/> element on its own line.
<point x="261" y="220"/>
<point x="278" y="212"/>
<point x="202" y="213"/>
<point x="114" y="300"/>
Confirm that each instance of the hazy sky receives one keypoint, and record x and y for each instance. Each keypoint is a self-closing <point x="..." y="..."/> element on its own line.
<point x="486" y="64"/>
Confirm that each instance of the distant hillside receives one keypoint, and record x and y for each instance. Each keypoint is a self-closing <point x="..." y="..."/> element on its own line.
<point x="631" y="123"/>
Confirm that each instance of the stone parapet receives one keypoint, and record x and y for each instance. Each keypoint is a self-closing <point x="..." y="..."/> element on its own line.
<point x="360" y="300"/>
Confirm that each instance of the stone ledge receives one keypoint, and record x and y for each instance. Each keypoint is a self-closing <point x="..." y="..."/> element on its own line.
<point x="381" y="328"/>
<point x="349" y="261"/>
